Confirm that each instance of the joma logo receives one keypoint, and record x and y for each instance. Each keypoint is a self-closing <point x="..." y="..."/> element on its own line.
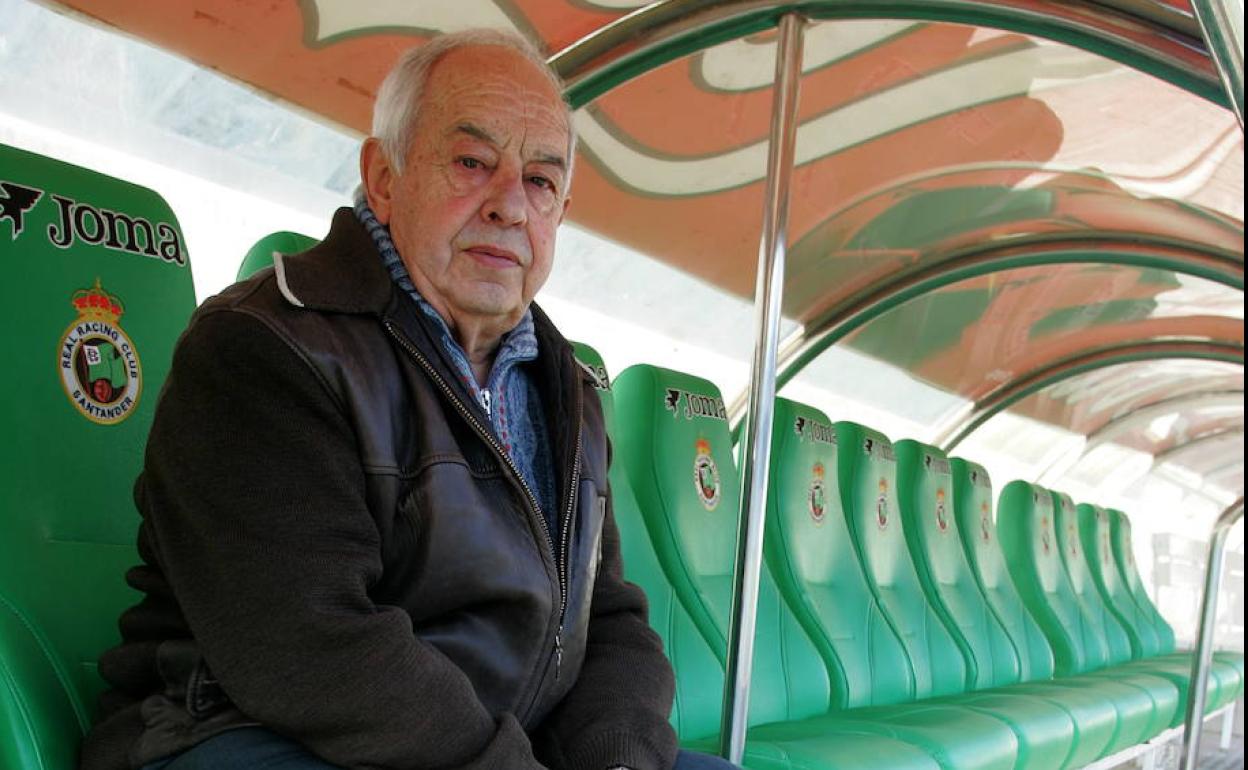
<point x="695" y="405"/>
<point x="114" y="230"/>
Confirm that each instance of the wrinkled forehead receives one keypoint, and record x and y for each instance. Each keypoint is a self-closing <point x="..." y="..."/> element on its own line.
<point x="498" y="89"/>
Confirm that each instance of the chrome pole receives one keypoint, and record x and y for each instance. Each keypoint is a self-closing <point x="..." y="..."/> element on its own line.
<point x="1222" y="23"/>
<point x="1202" y="660"/>
<point x="756" y="452"/>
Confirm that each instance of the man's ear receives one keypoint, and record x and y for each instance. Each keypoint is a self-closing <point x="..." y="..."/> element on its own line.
<point x="377" y="177"/>
<point x="566" y="202"/>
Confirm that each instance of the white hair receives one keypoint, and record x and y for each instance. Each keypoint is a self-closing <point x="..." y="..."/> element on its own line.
<point x="399" y="98"/>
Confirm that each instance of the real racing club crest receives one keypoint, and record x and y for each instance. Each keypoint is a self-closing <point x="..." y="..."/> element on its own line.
<point x="881" y="504"/>
<point x="985" y="521"/>
<point x="816" y="497"/>
<point x="99" y="364"/>
<point x="1103" y="526"/>
<point x="942" y="516"/>
<point x="706" y="475"/>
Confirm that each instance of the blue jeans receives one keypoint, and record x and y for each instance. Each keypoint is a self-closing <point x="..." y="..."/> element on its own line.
<point x="254" y="748"/>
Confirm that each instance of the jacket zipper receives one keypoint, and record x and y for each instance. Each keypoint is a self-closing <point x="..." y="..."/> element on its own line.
<point x="561" y="567"/>
<point x="565" y="530"/>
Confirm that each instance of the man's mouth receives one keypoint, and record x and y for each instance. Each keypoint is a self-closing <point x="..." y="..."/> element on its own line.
<point x="493" y="256"/>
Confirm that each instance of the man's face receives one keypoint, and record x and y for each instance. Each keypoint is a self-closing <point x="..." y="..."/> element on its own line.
<point x="474" y="210"/>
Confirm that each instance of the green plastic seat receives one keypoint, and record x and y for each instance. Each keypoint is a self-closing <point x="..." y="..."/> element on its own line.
<point x="1032" y="536"/>
<point x="867" y="475"/>
<point x="1164" y="690"/>
<point x="1096" y="539"/>
<point x="810" y="553"/>
<point x="1045" y="729"/>
<point x="814" y="559"/>
<point x="260" y="255"/>
<point x="1094" y="715"/>
<point x="699" y="671"/>
<point x="698" y="663"/>
<point x="784" y="652"/>
<point x="98" y="290"/>
<point x="675" y="445"/>
<point x="1128" y="573"/>
<point x="1124" y="560"/>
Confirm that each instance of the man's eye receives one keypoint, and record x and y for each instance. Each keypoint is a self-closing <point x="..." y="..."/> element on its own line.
<point x="471" y="163"/>
<point x="542" y="182"/>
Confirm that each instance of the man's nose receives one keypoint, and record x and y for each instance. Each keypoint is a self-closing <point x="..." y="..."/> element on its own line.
<point x="507" y="204"/>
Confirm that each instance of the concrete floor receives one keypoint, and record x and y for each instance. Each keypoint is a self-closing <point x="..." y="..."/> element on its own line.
<point x="1212" y="756"/>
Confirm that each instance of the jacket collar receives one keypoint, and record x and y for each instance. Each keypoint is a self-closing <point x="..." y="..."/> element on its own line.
<point x="341" y="274"/>
<point x="344" y="274"/>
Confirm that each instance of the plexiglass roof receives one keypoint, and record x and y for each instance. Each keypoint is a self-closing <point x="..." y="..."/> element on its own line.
<point x="919" y="142"/>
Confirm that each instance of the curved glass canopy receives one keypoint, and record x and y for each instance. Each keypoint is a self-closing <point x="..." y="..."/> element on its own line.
<point x="1181" y="418"/>
<point x="970" y="203"/>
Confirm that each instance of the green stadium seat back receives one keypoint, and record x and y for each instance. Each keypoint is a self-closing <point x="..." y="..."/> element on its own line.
<point x="1124" y="558"/>
<point x="1097" y="539"/>
<point x="973" y="508"/>
<point x="789" y="697"/>
<point x="1096" y="536"/>
<point x="697" y="707"/>
<point x="811" y="554"/>
<point x="260" y="255"/>
<point x="1094" y="715"/>
<point x="1045" y="730"/>
<point x="1074" y="559"/>
<point x="789" y="679"/>
<point x="1165" y="692"/>
<point x="99" y="287"/>
<point x="928" y="499"/>
<point x="959" y="736"/>
<point x="867" y="471"/>
<point x="677" y="449"/>
<point x="1028" y="537"/>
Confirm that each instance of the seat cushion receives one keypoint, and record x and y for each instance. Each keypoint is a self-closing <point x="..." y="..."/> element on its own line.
<point x="956" y="736"/>
<point x="1163" y="696"/>
<point x="1135" y="710"/>
<point x="1093" y="713"/>
<point x="1177" y="669"/>
<point x="1045" y="731"/>
<point x="832" y="751"/>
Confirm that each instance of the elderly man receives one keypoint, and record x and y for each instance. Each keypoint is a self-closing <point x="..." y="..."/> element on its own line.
<point x="377" y="530"/>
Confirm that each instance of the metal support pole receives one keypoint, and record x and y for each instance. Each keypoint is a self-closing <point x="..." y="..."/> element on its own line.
<point x="1203" y="659"/>
<point x="756" y="452"/>
<point x="1228" y="727"/>
<point x="1222" y="23"/>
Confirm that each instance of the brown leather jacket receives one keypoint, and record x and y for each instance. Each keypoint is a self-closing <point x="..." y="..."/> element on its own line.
<point x="337" y="548"/>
